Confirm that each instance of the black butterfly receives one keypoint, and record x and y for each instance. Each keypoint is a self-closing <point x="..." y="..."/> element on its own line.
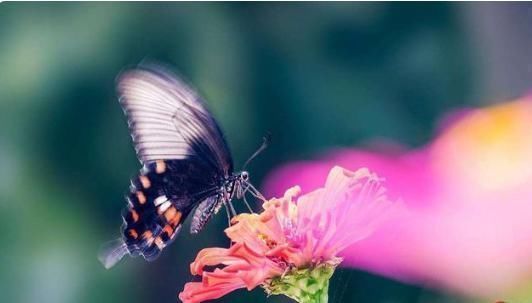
<point x="186" y="164"/>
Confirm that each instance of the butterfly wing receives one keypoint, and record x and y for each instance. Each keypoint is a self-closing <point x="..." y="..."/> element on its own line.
<point x="184" y="154"/>
<point x="169" y="121"/>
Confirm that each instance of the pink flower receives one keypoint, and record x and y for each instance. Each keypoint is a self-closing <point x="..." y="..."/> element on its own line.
<point x="293" y="232"/>
<point x="468" y="196"/>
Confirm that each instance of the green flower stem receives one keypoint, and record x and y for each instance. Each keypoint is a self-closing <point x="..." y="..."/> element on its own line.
<point x="305" y="285"/>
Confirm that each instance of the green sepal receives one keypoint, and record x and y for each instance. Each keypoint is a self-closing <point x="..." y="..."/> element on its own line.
<point x="304" y="285"/>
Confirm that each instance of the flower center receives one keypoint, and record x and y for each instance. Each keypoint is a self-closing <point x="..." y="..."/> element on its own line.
<point x="269" y="242"/>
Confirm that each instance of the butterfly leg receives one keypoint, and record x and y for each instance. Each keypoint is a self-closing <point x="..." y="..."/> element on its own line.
<point x="228" y="212"/>
<point x="231" y="208"/>
<point x="228" y="215"/>
<point x="226" y="200"/>
<point x="247" y="204"/>
<point x="255" y="193"/>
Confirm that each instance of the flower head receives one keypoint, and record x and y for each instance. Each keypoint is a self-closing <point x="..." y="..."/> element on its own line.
<point x="468" y="197"/>
<point x="296" y="238"/>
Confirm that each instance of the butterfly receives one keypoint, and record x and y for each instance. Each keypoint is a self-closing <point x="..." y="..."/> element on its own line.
<point x="186" y="164"/>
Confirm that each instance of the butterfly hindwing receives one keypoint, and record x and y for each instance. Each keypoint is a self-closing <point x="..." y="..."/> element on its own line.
<point x="160" y="199"/>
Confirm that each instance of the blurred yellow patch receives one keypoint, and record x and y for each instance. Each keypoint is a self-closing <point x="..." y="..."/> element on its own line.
<point x="490" y="147"/>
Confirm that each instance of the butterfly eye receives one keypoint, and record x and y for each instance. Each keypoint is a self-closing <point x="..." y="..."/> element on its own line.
<point x="245" y="176"/>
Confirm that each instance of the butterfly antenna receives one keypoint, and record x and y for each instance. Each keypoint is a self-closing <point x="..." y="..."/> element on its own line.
<point x="266" y="141"/>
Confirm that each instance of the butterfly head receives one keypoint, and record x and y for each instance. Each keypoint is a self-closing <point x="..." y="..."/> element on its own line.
<point x="244" y="176"/>
<point x="240" y="184"/>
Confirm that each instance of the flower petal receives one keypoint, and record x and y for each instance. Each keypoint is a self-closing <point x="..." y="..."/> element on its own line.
<point x="244" y="267"/>
<point x="197" y="292"/>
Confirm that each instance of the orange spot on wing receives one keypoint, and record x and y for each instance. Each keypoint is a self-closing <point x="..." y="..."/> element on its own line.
<point x="134" y="215"/>
<point x="141" y="197"/>
<point x="168" y="230"/>
<point x="170" y="213"/>
<point x="172" y="216"/>
<point x="145" y="181"/>
<point x="133" y="233"/>
<point x="160" y="166"/>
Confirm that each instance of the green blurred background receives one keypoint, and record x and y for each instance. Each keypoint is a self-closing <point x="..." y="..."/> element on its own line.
<point x="317" y="76"/>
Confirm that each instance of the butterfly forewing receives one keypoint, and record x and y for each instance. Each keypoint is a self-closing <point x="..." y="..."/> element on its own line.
<point x="168" y="120"/>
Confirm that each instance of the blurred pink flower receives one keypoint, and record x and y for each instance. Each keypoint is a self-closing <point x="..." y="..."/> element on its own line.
<point x="292" y="233"/>
<point x="469" y="200"/>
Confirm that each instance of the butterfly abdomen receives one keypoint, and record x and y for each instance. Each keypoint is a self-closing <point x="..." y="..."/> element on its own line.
<point x="151" y="220"/>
